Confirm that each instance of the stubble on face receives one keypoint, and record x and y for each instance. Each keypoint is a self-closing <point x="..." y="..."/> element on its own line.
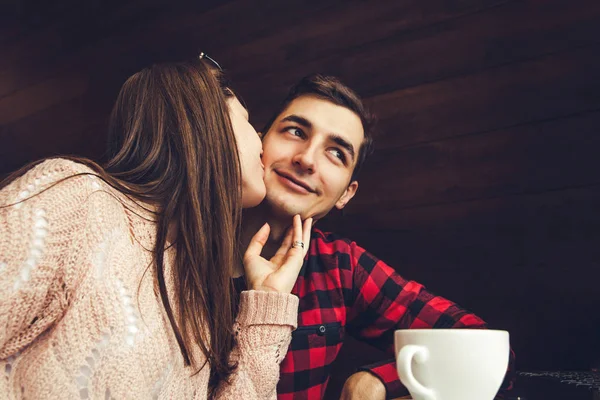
<point x="330" y="178"/>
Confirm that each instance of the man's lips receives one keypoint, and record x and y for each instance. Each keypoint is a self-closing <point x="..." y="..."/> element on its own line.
<point x="295" y="182"/>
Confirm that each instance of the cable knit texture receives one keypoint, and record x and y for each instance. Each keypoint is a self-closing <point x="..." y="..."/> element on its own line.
<point x="79" y="314"/>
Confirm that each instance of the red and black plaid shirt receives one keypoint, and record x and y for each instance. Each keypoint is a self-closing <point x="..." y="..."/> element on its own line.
<point x="345" y="290"/>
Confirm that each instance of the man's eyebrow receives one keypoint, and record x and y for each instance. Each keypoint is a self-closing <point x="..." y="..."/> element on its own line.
<point x="299" y="120"/>
<point x="340" y="141"/>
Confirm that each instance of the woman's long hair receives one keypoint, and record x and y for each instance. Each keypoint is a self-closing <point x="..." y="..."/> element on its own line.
<point x="171" y="145"/>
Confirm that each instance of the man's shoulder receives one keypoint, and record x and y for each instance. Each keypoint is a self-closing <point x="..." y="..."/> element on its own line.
<point x="330" y="243"/>
<point x="322" y="237"/>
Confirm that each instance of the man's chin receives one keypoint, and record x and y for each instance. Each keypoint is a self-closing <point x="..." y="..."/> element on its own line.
<point x="285" y="206"/>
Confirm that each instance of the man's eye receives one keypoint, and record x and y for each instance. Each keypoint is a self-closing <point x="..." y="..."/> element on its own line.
<point x="295" y="131"/>
<point x="339" y="154"/>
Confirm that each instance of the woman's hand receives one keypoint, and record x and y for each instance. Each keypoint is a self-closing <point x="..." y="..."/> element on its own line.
<point x="278" y="274"/>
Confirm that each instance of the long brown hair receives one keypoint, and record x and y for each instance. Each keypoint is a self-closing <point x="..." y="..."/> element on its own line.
<point x="171" y="145"/>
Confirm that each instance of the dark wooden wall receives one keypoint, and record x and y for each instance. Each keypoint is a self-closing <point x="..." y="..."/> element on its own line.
<point x="485" y="185"/>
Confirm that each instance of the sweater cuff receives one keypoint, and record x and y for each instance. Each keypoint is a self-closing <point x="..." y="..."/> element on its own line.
<point x="268" y="308"/>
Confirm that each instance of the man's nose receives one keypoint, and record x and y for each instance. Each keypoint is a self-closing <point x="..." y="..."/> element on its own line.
<point x="305" y="160"/>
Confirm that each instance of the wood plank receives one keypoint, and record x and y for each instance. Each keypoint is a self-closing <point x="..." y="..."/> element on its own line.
<point x="52" y="92"/>
<point x="505" y="34"/>
<point x="495" y="36"/>
<point x="451" y="237"/>
<point x="55" y="52"/>
<point x="56" y="130"/>
<point x="529" y="158"/>
<point x="82" y="25"/>
<point x="566" y="82"/>
<point x="96" y="85"/>
<point x="341" y="30"/>
<point x="167" y="32"/>
<point x="530" y="217"/>
<point x="465" y="56"/>
<point x="21" y="19"/>
<point x="46" y="53"/>
<point x="39" y="97"/>
<point x="102" y="68"/>
<point x="547" y="87"/>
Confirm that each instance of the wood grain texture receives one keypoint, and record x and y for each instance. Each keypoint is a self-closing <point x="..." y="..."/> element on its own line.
<point x="545" y="87"/>
<point x="547" y="155"/>
<point x="486" y="37"/>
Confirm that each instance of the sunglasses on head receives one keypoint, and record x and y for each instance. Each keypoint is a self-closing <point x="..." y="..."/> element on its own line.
<point x="203" y="55"/>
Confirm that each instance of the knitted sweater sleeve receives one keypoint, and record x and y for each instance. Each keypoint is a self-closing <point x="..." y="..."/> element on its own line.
<point x="48" y="226"/>
<point x="40" y="242"/>
<point x="263" y="333"/>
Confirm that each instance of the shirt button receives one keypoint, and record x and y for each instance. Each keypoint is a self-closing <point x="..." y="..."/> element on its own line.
<point x="322" y="330"/>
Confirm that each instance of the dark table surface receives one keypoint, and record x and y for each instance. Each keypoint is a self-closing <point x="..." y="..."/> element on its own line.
<point x="559" y="385"/>
<point x="555" y="385"/>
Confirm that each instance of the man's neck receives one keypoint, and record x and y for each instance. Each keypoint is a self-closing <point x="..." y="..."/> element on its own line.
<point x="252" y="220"/>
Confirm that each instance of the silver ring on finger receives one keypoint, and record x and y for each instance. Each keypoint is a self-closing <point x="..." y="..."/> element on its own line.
<point x="298" y="243"/>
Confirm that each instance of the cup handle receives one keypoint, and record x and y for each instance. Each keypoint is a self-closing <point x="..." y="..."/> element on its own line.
<point x="405" y="357"/>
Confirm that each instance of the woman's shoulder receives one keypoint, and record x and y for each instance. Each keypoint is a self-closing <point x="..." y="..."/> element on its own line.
<point x="54" y="177"/>
<point x="59" y="168"/>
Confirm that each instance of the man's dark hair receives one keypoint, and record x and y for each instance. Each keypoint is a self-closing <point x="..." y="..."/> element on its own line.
<point x="332" y="89"/>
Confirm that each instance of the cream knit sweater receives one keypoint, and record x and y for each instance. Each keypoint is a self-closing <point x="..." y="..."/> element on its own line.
<point x="79" y="317"/>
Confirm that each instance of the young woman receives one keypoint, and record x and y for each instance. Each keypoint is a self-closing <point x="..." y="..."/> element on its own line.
<point x="115" y="281"/>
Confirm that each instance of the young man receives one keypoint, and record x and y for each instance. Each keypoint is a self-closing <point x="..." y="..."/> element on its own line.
<point x="312" y="151"/>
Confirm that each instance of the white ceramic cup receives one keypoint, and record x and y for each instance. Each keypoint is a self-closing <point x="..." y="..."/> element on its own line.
<point x="452" y="364"/>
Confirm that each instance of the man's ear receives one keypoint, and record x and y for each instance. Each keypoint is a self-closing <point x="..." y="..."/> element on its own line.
<point x="347" y="196"/>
